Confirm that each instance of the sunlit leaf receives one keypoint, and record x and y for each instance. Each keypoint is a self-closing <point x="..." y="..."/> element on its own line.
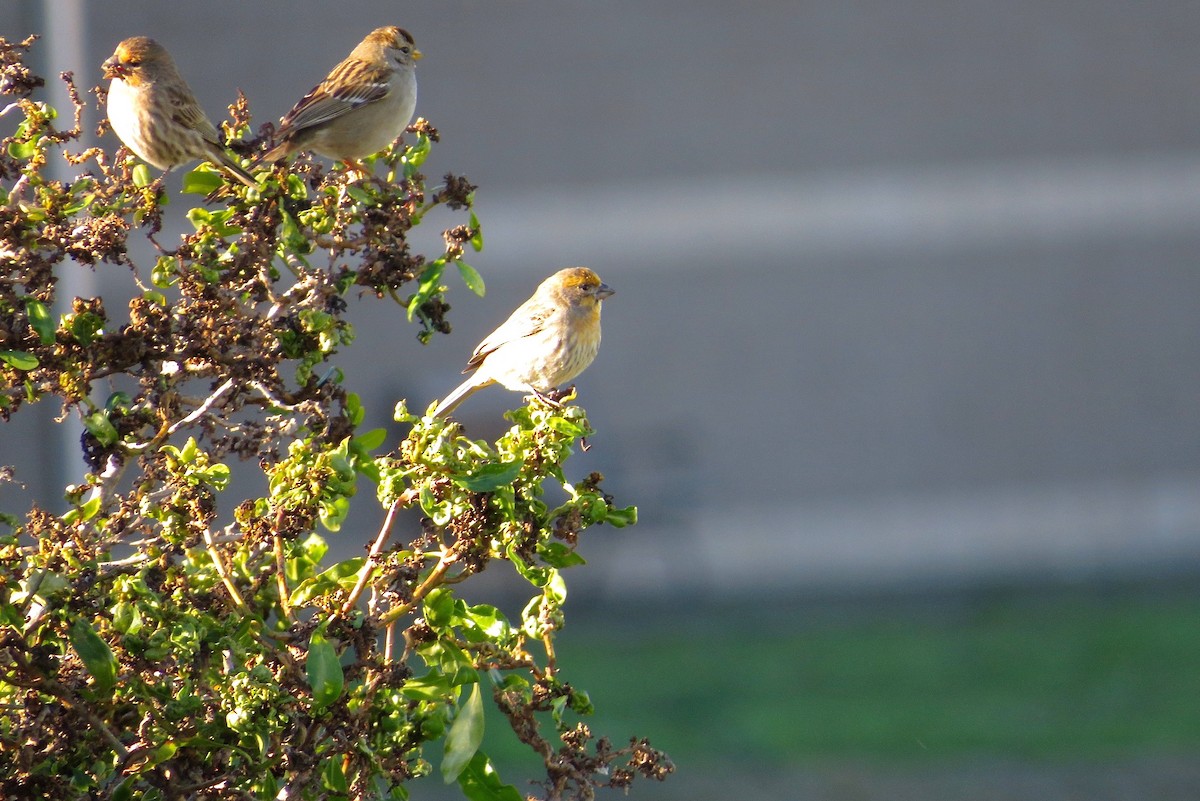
<point x="100" y="427"/>
<point x="141" y="176"/>
<point x="96" y="655"/>
<point x="480" y="782"/>
<point x="324" y="671"/>
<point x="471" y="278"/>
<point x="490" y="477"/>
<point x="19" y="359"/>
<point x="334" y="777"/>
<point x="39" y="319"/>
<point x="372" y="439"/>
<point x="464" y="736"/>
<point x="201" y="182"/>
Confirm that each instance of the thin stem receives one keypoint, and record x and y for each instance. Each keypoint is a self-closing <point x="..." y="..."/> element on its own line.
<point x="281" y="580"/>
<point x="203" y="408"/>
<point x="368" y="567"/>
<point x="223" y="571"/>
<point x="433" y="580"/>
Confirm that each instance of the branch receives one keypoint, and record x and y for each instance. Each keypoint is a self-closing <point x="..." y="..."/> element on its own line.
<point x="223" y="571"/>
<point x="281" y="580"/>
<point x="433" y="580"/>
<point x="385" y="531"/>
<point x="203" y="408"/>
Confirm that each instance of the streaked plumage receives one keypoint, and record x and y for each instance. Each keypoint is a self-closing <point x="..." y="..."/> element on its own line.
<point x="549" y="340"/>
<point x="154" y="113"/>
<point x="361" y="107"/>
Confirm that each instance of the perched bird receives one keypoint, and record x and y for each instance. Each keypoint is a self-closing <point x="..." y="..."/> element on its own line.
<point x="361" y="107"/>
<point x="546" y="342"/>
<point x="155" y="114"/>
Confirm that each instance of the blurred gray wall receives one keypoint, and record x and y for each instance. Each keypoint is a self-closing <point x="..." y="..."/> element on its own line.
<point x="906" y="293"/>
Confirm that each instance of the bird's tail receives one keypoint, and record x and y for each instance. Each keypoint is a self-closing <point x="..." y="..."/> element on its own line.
<point x="234" y="169"/>
<point x="280" y="151"/>
<point x="460" y="394"/>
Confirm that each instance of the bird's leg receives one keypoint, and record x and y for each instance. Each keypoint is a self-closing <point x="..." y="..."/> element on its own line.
<point x="551" y="397"/>
<point x="357" y="167"/>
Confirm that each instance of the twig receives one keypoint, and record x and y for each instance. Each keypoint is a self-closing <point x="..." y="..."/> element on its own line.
<point x="114" y="468"/>
<point x="203" y="408"/>
<point x="433" y="580"/>
<point x="385" y="531"/>
<point x="389" y="642"/>
<point x="223" y="571"/>
<point x="281" y="580"/>
<point x="272" y="399"/>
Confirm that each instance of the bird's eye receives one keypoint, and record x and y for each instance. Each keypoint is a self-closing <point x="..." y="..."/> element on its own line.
<point x="133" y="62"/>
<point x="405" y="50"/>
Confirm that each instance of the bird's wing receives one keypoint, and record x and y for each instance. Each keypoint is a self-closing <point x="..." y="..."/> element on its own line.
<point x="185" y="112"/>
<point x="527" y="320"/>
<point x="352" y="84"/>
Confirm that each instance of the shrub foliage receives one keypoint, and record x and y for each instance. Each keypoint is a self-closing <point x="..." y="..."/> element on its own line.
<point x="165" y="633"/>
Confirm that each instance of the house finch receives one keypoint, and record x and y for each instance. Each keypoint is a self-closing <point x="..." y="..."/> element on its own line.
<point x="547" y="341"/>
<point x="155" y="114"/>
<point x="361" y="107"/>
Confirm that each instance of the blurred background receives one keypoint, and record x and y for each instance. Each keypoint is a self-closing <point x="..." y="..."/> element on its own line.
<point x="902" y="370"/>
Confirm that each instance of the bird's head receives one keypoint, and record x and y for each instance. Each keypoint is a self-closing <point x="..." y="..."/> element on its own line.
<point x="136" y="60"/>
<point x="579" y="286"/>
<point x="394" y="45"/>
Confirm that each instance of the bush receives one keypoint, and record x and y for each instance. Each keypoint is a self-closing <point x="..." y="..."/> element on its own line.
<point x="164" y="637"/>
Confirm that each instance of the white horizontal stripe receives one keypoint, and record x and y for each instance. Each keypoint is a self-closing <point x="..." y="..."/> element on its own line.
<point x="972" y="205"/>
<point x="1068" y="531"/>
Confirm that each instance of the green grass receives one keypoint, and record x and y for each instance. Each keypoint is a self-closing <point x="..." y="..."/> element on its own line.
<point x="1065" y="675"/>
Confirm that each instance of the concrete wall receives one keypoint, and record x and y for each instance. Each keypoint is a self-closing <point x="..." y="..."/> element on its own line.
<point x="906" y="292"/>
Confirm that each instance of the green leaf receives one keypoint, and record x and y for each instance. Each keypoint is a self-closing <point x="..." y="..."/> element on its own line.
<point x="488" y="621"/>
<point x="117" y="400"/>
<point x="342" y="576"/>
<point x="100" y="427"/>
<point x="22" y="150"/>
<point x="471" y="278"/>
<point x="620" y="518"/>
<point x="557" y="554"/>
<point x="141" y="176"/>
<point x="324" y="671"/>
<point x="477" y="237"/>
<point x="332" y="513"/>
<point x="164" y="273"/>
<point x="565" y="426"/>
<point x="464" y="736"/>
<point x="96" y="655"/>
<point x="430" y="284"/>
<point x="124" y="790"/>
<point x="217" y="221"/>
<point x="39" y="318"/>
<point x="490" y="477"/>
<point x="480" y="782"/>
<point x="334" y="778"/>
<point x="415" y="155"/>
<point x="19" y="359"/>
<point x="439" y="608"/>
<point x="85" y="326"/>
<point x="360" y="195"/>
<point x="430" y="687"/>
<point x="85" y="511"/>
<point x="372" y="439"/>
<point x="201" y="182"/>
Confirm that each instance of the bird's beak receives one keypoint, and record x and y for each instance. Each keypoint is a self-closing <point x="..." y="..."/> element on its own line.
<point x="603" y="291"/>
<point x="416" y="54"/>
<point x="112" y="68"/>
